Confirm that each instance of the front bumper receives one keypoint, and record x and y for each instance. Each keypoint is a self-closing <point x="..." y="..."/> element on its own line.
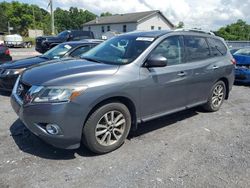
<point x="242" y="75"/>
<point x="68" y="116"/>
<point x="7" y="82"/>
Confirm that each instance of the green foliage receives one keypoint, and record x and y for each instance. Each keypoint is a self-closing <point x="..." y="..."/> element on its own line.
<point x="105" y="14"/>
<point x="180" y="25"/>
<point x="72" y="18"/>
<point x="23" y="16"/>
<point x="236" y="31"/>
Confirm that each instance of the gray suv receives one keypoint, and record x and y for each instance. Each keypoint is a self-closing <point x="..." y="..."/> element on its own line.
<point x="129" y="79"/>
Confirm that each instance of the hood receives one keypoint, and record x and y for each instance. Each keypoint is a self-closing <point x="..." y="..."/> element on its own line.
<point x="242" y="59"/>
<point x="68" y="72"/>
<point x="23" y="63"/>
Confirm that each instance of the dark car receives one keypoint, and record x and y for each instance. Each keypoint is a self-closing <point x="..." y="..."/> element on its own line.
<point x="128" y="79"/>
<point x="242" y="71"/>
<point x="10" y="71"/>
<point x="4" y="54"/>
<point x="44" y="43"/>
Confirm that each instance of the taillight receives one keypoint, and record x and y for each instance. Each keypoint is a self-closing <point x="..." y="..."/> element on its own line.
<point x="7" y="52"/>
<point x="233" y="61"/>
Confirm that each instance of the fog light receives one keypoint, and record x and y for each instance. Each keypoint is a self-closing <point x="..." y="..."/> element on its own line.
<point x="52" y="129"/>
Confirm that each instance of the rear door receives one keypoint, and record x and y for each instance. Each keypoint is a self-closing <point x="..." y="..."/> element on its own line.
<point x="202" y="68"/>
<point x="163" y="89"/>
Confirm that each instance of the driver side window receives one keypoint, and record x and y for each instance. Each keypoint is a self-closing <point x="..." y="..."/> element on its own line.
<point x="171" y="48"/>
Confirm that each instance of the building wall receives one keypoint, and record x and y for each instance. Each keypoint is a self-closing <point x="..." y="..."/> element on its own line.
<point x="35" y="33"/>
<point x="156" y="21"/>
<point x="97" y="29"/>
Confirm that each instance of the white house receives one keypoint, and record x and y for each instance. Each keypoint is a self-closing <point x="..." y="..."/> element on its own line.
<point x="149" y="20"/>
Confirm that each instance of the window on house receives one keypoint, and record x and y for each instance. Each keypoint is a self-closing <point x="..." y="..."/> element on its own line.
<point x="124" y="28"/>
<point x="89" y="28"/>
<point x="103" y="29"/>
<point x="152" y="27"/>
<point x="159" y="28"/>
<point x="108" y="28"/>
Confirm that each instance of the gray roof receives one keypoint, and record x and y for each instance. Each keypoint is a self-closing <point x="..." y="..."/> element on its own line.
<point x="126" y="18"/>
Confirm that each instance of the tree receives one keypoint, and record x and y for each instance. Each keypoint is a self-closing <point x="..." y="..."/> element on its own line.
<point x="180" y="25"/>
<point x="73" y="18"/>
<point x="235" y="31"/>
<point x="105" y="14"/>
<point x="23" y="16"/>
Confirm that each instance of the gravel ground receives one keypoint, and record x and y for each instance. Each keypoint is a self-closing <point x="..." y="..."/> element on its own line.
<point x="187" y="149"/>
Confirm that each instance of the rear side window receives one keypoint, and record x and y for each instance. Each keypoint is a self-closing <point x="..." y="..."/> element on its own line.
<point x="196" y="48"/>
<point x="217" y="47"/>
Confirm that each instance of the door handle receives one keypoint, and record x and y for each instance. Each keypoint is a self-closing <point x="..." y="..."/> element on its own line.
<point x="182" y="74"/>
<point x="215" y="67"/>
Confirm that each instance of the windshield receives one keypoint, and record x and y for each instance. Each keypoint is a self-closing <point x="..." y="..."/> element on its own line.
<point x="57" y="52"/>
<point x="63" y="34"/>
<point x="243" y="51"/>
<point x="119" y="50"/>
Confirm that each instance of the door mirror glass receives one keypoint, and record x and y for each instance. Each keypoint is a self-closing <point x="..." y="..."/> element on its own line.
<point x="156" y="61"/>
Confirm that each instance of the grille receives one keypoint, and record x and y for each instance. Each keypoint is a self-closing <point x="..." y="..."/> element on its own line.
<point x="38" y="41"/>
<point x="22" y="90"/>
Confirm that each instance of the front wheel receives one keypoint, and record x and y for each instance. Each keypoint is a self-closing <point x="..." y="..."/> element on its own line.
<point x="107" y="128"/>
<point x="216" y="97"/>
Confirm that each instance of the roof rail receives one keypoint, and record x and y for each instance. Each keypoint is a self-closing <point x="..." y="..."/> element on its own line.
<point x="195" y="30"/>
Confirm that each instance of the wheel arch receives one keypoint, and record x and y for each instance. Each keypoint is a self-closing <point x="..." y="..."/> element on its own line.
<point x="121" y="99"/>
<point x="226" y="82"/>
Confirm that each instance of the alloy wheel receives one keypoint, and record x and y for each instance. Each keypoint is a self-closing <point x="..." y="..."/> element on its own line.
<point x="218" y="95"/>
<point x="110" y="128"/>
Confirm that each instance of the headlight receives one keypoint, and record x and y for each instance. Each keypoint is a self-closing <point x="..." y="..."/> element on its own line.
<point x="13" y="71"/>
<point x="58" y="94"/>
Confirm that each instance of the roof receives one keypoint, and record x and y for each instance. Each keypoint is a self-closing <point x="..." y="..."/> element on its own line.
<point x="126" y="18"/>
<point x="154" y="34"/>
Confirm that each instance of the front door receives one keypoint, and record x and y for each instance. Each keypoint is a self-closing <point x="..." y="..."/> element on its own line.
<point x="163" y="89"/>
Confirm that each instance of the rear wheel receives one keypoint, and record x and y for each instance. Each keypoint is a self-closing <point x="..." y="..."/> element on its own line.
<point x="216" y="97"/>
<point x="107" y="128"/>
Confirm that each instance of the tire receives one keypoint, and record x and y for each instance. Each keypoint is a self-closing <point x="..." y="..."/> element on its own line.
<point x="102" y="133"/>
<point x="29" y="45"/>
<point x="216" y="97"/>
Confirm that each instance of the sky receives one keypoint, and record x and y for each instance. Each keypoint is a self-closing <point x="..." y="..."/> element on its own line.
<point x="205" y="14"/>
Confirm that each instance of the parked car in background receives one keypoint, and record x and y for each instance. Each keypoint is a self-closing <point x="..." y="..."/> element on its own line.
<point x="74" y="49"/>
<point x="233" y="50"/>
<point x="44" y="43"/>
<point x="242" y="71"/>
<point x="131" y="78"/>
<point x="16" y="40"/>
<point x="4" y="54"/>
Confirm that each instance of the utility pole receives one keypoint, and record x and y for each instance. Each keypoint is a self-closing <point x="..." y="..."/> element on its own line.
<point x="52" y="17"/>
<point x="34" y="21"/>
<point x="9" y="28"/>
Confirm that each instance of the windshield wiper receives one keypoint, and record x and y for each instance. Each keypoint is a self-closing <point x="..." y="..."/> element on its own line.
<point x="90" y="59"/>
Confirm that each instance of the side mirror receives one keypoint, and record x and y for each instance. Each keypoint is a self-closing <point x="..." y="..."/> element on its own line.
<point x="156" y="61"/>
<point x="70" y="36"/>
